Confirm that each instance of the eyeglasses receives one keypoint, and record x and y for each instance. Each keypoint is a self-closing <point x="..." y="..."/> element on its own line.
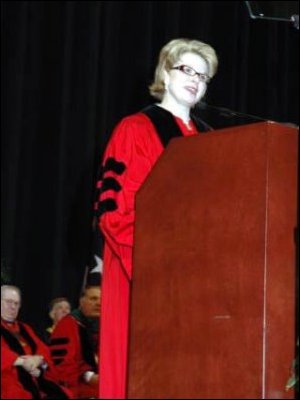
<point x="12" y="302"/>
<point x="191" y="72"/>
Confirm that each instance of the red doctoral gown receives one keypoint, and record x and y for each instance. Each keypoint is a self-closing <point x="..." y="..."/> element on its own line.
<point x="16" y="383"/>
<point x="131" y="154"/>
<point x="72" y="353"/>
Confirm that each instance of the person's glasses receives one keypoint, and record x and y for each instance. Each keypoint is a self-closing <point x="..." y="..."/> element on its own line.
<point x="11" y="302"/>
<point x="191" y="72"/>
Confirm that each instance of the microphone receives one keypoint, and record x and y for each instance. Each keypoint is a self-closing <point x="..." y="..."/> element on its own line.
<point x="295" y="21"/>
<point x="227" y="112"/>
<point x="220" y="117"/>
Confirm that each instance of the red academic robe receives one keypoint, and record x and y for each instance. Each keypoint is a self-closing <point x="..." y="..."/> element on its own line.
<point x="130" y="156"/>
<point x="13" y="386"/>
<point x="71" y="359"/>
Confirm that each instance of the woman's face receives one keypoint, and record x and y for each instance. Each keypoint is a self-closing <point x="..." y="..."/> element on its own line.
<point x="185" y="89"/>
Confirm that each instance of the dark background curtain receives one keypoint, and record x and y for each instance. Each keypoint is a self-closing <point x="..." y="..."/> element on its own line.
<point x="70" y="71"/>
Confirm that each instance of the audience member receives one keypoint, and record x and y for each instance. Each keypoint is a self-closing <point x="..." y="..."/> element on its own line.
<point x="27" y="371"/>
<point x="59" y="307"/>
<point x="74" y="345"/>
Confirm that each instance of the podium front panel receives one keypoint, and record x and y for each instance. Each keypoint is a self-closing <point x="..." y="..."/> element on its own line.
<point x="213" y="290"/>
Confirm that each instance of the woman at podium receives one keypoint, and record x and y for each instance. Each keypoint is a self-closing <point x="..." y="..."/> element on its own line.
<point x="183" y="72"/>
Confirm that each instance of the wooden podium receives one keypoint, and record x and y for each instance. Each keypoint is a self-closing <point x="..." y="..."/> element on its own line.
<point x="214" y="282"/>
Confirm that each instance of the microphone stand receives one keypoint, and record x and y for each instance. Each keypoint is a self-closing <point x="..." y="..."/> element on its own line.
<point x="229" y="113"/>
<point x="213" y="117"/>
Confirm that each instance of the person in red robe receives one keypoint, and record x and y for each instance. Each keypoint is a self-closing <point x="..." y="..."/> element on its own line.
<point x="181" y="77"/>
<point x="74" y="345"/>
<point x="27" y="371"/>
<point x="59" y="307"/>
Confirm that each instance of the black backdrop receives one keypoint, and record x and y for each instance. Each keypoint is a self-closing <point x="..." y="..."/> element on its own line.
<point x="70" y="71"/>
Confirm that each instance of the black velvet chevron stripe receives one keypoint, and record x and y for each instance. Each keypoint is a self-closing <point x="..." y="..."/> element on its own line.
<point x="106" y="205"/>
<point x="58" y="361"/>
<point x="58" y="352"/>
<point x="61" y="340"/>
<point x="110" y="184"/>
<point x="164" y="123"/>
<point x="113" y="165"/>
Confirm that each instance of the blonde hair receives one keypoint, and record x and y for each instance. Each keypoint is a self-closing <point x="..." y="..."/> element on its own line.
<point x="171" y="53"/>
<point x="57" y="300"/>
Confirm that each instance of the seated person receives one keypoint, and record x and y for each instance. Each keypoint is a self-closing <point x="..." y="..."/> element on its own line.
<point x="27" y="371"/>
<point x="59" y="307"/>
<point x="74" y="345"/>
